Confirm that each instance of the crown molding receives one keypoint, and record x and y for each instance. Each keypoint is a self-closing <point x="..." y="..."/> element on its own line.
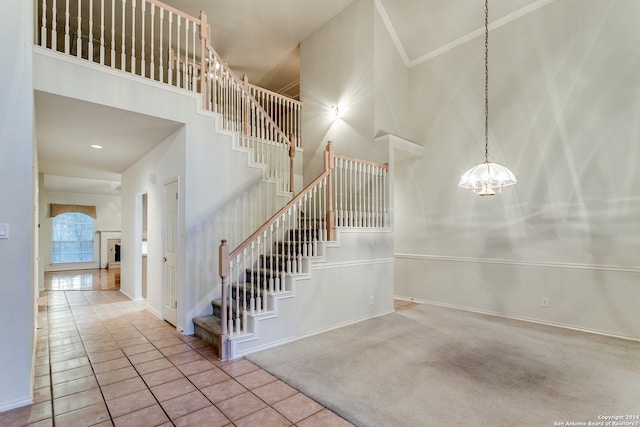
<point x="410" y="63"/>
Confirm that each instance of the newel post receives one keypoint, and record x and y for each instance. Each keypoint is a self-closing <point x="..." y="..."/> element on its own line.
<point x="223" y="268"/>
<point x="204" y="39"/>
<point x="328" y="166"/>
<point x="292" y="154"/>
<point x="246" y="106"/>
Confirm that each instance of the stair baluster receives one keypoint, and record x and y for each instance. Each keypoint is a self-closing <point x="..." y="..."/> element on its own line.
<point x="298" y="232"/>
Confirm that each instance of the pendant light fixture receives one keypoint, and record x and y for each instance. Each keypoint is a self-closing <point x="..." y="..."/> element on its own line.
<point x="487" y="179"/>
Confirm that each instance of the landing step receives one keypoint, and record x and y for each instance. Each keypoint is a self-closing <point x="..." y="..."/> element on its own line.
<point x="208" y="328"/>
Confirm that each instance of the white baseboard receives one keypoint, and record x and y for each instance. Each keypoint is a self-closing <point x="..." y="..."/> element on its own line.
<point x="124" y="293"/>
<point x="154" y="312"/>
<point x="522" y="319"/>
<point x="320" y="331"/>
<point x="13" y="404"/>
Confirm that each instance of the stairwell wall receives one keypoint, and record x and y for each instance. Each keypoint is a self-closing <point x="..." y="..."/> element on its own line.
<point x="148" y="176"/>
<point x="18" y="174"/>
<point x="349" y="283"/>
<point x="336" y="67"/>
<point x="352" y="61"/>
<point x="211" y="173"/>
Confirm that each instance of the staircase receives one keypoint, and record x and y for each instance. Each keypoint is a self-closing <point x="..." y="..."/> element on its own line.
<point x="254" y="296"/>
<point x="258" y="277"/>
<point x="155" y="41"/>
<point x="264" y="269"/>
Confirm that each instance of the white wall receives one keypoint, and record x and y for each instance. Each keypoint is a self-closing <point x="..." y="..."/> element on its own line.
<point x="213" y="184"/>
<point x="212" y="175"/>
<point x="108" y="219"/>
<point x="163" y="164"/>
<point x="564" y="104"/>
<point x="220" y="204"/>
<point x="351" y="61"/>
<point x="352" y="281"/>
<point x="391" y="85"/>
<point x="336" y="67"/>
<point x="17" y="163"/>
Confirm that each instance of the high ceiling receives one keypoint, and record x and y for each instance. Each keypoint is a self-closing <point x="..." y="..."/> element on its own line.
<point x="260" y="39"/>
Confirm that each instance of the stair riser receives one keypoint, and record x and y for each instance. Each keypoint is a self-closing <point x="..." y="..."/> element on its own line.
<point x="258" y="278"/>
<point x="268" y="274"/>
<point x="311" y="222"/>
<point x="208" y="328"/>
<point x="279" y="263"/>
<point x="211" y="338"/>
<point x="304" y="235"/>
<point x="217" y="310"/>
<point x="287" y="248"/>
<point x="238" y="293"/>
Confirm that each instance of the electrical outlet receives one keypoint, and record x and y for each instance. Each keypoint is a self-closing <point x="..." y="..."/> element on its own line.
<point x="372" y="300"/>
<point x="544" y="302"/>
<point x="4" y="231"/>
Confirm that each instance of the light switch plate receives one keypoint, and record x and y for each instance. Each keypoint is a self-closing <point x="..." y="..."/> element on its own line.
<point x="4" y="231"/>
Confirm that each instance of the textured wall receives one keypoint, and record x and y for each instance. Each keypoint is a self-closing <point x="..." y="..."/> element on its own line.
<point x="564" y="103"/>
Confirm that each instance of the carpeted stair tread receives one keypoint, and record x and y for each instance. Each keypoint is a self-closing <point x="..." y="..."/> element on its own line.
<point x="208" y="328"/>
<point x="209" y="323"/>
<point x="217" y="306"/>
<point x="270" y="266"/>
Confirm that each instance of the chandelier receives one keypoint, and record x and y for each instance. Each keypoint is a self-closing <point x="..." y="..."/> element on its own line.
<point x="487" y="178"/>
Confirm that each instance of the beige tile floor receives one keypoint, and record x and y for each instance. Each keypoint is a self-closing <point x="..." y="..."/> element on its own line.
<point x="103" y="360"/>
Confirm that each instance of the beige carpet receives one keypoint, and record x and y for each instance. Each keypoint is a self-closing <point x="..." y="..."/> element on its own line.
<point x="434" y="366"/>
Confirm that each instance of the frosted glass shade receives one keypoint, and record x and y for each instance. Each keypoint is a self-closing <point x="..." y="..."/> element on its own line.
<point x="487" y="179"/>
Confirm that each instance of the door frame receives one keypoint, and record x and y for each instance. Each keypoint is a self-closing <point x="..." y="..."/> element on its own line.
<point x="179" y="251"/>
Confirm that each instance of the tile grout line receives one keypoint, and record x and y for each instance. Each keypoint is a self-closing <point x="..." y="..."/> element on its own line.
<point x="200" y="350"/>
<point x="234" y="378"/>
<point x="53" y="414"/>
<point x="132" y="365"/>
<point x="198" y="389"/>
<point x="87" y="353"/>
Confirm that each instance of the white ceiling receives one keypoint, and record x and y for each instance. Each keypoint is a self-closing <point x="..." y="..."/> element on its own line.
<point x="261" y="38"/>
<point x="66" y="128"/>
<point x="257" y="38"/>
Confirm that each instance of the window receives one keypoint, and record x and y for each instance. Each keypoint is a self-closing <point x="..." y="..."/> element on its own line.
<point x="72" y="238"/>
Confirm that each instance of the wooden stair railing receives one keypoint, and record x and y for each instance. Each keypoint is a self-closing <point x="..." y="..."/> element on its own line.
<point x="257" y="268"/>
<point x="154" y="40"/>
<point x="283" y="110"/>
<point x="230" y="96"/>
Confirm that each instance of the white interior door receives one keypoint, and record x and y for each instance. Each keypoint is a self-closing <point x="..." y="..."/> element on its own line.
<point x="170" y="257"/>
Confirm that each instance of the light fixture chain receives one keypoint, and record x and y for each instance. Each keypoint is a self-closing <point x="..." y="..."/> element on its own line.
<point x="486" y="80"/>
<point x="487" y="179"/>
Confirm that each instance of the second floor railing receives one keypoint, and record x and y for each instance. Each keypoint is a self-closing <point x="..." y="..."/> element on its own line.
<point x="154" y="40"/>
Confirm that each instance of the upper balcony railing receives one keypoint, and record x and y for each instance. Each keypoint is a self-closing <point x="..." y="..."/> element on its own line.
<point x="154" y="40"/>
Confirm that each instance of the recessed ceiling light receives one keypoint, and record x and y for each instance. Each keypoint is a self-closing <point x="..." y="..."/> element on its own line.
<point x="96" y="146"/>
